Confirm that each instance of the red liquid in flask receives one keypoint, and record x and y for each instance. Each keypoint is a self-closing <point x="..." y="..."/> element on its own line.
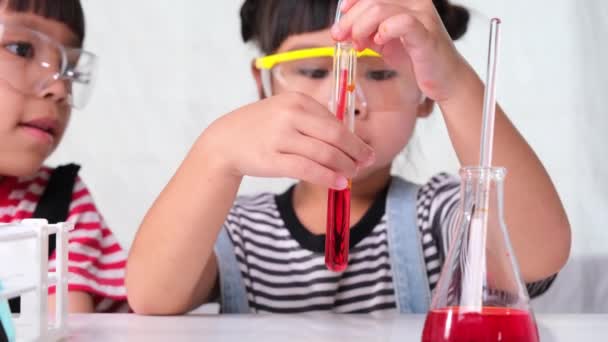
<point x="491" y="325"/>
<point x="338" y="205"/>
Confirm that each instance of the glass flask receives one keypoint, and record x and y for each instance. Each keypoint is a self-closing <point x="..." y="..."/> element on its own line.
<point x="480" y="296"/>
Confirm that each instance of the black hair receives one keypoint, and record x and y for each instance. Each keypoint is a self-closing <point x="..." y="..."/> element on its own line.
<point x="269" y="22"/>
<point x="68" y="12"/>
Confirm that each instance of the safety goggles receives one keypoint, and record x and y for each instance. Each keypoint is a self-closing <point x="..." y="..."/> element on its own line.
<point x="31" y="61"/>
<point x="380" y="87"/>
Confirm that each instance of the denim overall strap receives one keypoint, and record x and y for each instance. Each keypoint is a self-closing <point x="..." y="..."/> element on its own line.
<point x="410" y="279"/>
<point x="233" y="296"/>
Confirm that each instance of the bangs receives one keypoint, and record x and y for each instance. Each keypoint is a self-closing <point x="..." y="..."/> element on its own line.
<point x="276" y="20"/>
<point x="67" y="12"/>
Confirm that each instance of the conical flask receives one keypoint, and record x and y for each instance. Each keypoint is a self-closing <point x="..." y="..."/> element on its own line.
<point x="480" y="296"/>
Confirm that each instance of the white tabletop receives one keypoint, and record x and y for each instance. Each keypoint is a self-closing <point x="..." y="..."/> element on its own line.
<point x="309" y="328"/>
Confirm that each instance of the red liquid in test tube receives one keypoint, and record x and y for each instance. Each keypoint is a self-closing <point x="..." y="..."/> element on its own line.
<point x="338" y="202"/>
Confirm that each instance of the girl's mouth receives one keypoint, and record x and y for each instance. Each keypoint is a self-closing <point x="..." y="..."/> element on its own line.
<point x="44" y="129"/>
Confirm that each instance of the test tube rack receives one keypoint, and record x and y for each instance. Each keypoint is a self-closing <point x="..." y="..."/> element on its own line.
<point x="33" y="321"/>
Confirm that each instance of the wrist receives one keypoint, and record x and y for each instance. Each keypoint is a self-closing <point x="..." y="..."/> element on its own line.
<point x="214" y="160"/>
<point x="467" y="92"/>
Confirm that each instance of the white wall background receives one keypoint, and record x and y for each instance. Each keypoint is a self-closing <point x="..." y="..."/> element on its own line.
<point x="171" y="68"/>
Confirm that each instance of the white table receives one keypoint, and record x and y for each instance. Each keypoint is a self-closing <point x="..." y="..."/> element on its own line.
<point x="309" y="328"/>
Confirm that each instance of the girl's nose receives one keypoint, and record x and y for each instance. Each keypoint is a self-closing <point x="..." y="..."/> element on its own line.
<point x="56" y="91"/>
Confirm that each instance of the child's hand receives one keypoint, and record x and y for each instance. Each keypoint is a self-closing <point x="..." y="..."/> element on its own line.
<point x="288" y="135"/>
<point x="406" y="32"/>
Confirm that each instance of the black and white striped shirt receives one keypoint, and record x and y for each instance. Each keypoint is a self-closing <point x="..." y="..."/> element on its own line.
<point x="283" y="264"/>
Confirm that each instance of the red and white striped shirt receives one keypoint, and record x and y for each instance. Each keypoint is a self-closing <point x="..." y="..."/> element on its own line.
<point x="96" y="260"/>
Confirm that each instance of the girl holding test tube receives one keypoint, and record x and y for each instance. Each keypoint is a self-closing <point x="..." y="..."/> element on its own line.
<point x="265" y="253"/>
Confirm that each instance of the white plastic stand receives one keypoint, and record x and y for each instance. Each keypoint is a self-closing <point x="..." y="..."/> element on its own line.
<point x="33" y="281"/>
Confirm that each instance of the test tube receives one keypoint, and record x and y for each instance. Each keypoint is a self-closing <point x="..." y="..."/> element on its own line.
<point x="338" y="201"/>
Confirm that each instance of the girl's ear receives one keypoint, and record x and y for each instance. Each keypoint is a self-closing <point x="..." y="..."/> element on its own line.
<point x="425" y="108"/>
<point x="257" y="76"/>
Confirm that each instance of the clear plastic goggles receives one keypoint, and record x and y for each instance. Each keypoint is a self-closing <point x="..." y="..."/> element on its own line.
<point x="380" y="87"/>
<point x="30" y="62"/>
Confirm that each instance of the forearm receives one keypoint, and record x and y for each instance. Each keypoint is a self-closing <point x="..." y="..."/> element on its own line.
<point x="534" y="213"/>
<point x="171" y="264"/>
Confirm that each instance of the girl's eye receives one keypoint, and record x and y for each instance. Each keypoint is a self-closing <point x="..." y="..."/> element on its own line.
<point x="381" y="75"/>
<point x="21" y="49"/>
<point x="313" y="73"/>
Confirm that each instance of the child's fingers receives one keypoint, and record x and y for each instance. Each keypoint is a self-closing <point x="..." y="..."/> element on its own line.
<point x="347" y="5"/>
<point x="368" y="26"/>
<point x="341" y="31"/>
<point x="367" y="43"/>
<point x="321" y="153"/>
<point x="335" y="133"/>
<point x="406" y="27"/>
<point x="315" y="120"/>
<point x="295" y="166"/>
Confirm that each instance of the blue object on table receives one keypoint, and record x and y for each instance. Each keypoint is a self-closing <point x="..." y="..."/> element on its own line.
<point x="7" y="327"/>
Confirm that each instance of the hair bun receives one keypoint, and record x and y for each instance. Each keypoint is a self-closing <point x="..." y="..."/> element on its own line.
<point x="455" y="18"/>
<point x="457" y="21"/>
<point x="248" y="17"/>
